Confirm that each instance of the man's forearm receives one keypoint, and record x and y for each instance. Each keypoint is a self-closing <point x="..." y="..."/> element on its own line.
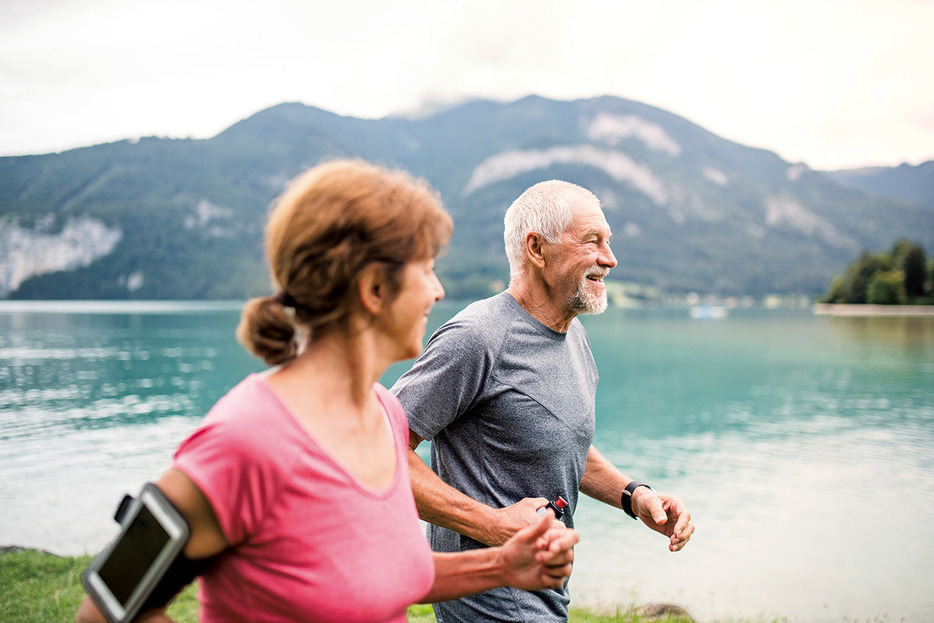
<point x="602" y="480"/>
<point x="445" y="506"/>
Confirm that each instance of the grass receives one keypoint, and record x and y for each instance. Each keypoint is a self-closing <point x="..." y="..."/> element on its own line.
<point x="38" y="587"/>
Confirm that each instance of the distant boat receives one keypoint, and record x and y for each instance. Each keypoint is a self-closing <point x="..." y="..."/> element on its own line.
<point x="709" y="312"/>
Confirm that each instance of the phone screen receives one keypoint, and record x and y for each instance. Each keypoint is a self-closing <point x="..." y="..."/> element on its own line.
<point x="133" y="555"/>
<point x="122" y="577"/>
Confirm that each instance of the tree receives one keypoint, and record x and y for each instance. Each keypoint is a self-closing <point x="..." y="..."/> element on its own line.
<point x="861" y="273"/>
<point x="914" y="267"/>
<point x="887" y="288"/>
<point x="899" y="250"/>
<point x="902" y="276"/>
<point x="838" y="291"/>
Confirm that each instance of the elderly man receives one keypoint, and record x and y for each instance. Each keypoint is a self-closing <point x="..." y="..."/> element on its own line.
<point x="506" y="393"/>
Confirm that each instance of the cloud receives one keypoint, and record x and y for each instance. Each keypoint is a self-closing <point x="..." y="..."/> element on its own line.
<point x="833" y="83"/>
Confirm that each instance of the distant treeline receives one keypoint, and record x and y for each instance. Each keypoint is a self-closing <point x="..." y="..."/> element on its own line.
<point x="902" y="276"/>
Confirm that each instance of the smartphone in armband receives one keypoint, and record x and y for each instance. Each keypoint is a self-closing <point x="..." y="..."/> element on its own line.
<point x="152" y="535"/>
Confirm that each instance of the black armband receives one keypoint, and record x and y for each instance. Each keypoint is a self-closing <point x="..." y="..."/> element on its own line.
<point x="144" y="567"/>
<point x="180" y="574"/>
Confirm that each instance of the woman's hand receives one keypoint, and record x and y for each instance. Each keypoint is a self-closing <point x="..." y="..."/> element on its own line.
<point x="540" y="556"/>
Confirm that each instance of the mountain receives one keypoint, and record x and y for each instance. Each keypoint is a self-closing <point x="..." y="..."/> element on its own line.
<point x="162" y="218"/>
<point x="914" y="184"/>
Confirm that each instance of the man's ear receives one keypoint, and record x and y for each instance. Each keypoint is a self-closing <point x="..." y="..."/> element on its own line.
<point x="372" y="290"/>
<point x="534" y="248"/>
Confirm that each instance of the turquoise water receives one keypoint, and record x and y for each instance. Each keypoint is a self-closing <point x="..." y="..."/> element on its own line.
<point x="803" y="445"/>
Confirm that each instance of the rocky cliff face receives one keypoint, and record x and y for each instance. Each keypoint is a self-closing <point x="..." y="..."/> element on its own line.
<point x="26" y="252"/>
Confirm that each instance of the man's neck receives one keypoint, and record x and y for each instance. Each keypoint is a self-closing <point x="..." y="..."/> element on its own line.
<point x="542" y="307"/>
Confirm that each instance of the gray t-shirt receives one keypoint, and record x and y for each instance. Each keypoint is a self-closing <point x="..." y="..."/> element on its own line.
<point x="508" y="404"/>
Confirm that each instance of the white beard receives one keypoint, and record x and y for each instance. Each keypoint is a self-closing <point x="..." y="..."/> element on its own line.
<point x="588" y="302"/>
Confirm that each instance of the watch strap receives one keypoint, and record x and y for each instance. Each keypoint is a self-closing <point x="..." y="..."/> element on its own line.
<point x="625" y="499"/>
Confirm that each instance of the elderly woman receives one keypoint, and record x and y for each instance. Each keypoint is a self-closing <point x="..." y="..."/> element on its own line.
<point x="297" y="484"/>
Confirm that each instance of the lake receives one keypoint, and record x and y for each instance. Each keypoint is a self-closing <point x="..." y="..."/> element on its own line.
<point x="803" y="445"/>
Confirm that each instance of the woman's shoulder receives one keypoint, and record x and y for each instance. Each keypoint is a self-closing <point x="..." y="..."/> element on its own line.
<point x="398" y="419"/>
<point x="248" y="398"/>
<point x="390" y="403"/>
<point x="236" y="420"/>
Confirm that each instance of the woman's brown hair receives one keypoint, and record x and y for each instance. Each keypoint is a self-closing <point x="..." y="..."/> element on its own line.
<point x="333" y="221"/>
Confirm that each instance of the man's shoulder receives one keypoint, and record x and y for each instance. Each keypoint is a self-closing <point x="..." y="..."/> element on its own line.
<point x="497" y="305"/>
<point x="483" y="318"/>
<point x="578" y="330"/>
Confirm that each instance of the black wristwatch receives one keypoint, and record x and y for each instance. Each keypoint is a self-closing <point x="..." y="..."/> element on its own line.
<point x="625" y="499"/>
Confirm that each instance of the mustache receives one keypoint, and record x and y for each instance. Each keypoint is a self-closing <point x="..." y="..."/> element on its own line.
<point x="599" y="273"/>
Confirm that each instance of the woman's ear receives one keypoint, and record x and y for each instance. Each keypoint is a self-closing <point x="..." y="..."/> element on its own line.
<point x="372" y="290"/>
<point x="534" y="248"/>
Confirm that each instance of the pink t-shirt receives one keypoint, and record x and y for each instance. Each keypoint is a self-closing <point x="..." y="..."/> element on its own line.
<point x="311" y="542"/>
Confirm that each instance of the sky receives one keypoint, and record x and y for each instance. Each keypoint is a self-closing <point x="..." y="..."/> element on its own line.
<point x="830" y="83"/>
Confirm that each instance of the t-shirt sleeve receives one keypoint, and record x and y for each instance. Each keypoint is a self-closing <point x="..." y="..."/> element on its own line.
<point x="446" y="380"/>
<point x="225" y="460"/>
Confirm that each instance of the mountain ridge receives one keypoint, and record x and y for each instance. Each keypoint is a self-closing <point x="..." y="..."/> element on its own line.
<point x="691" y="211"/>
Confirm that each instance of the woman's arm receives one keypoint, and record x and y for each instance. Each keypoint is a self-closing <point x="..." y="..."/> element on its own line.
<point x="207" y="538"/>
<point x="88" y="613"/>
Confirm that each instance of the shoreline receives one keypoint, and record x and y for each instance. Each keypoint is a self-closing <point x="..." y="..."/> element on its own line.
<point x="826" y="309"/>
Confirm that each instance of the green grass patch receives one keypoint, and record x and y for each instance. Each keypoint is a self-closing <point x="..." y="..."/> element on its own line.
<point x="39" y="587"/>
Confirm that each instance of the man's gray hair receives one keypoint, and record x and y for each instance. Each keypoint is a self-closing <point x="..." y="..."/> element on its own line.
<point x="544" y="208"/>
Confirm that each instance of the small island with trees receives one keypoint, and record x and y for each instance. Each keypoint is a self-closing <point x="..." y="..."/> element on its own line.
<point x="878" y="283"/>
